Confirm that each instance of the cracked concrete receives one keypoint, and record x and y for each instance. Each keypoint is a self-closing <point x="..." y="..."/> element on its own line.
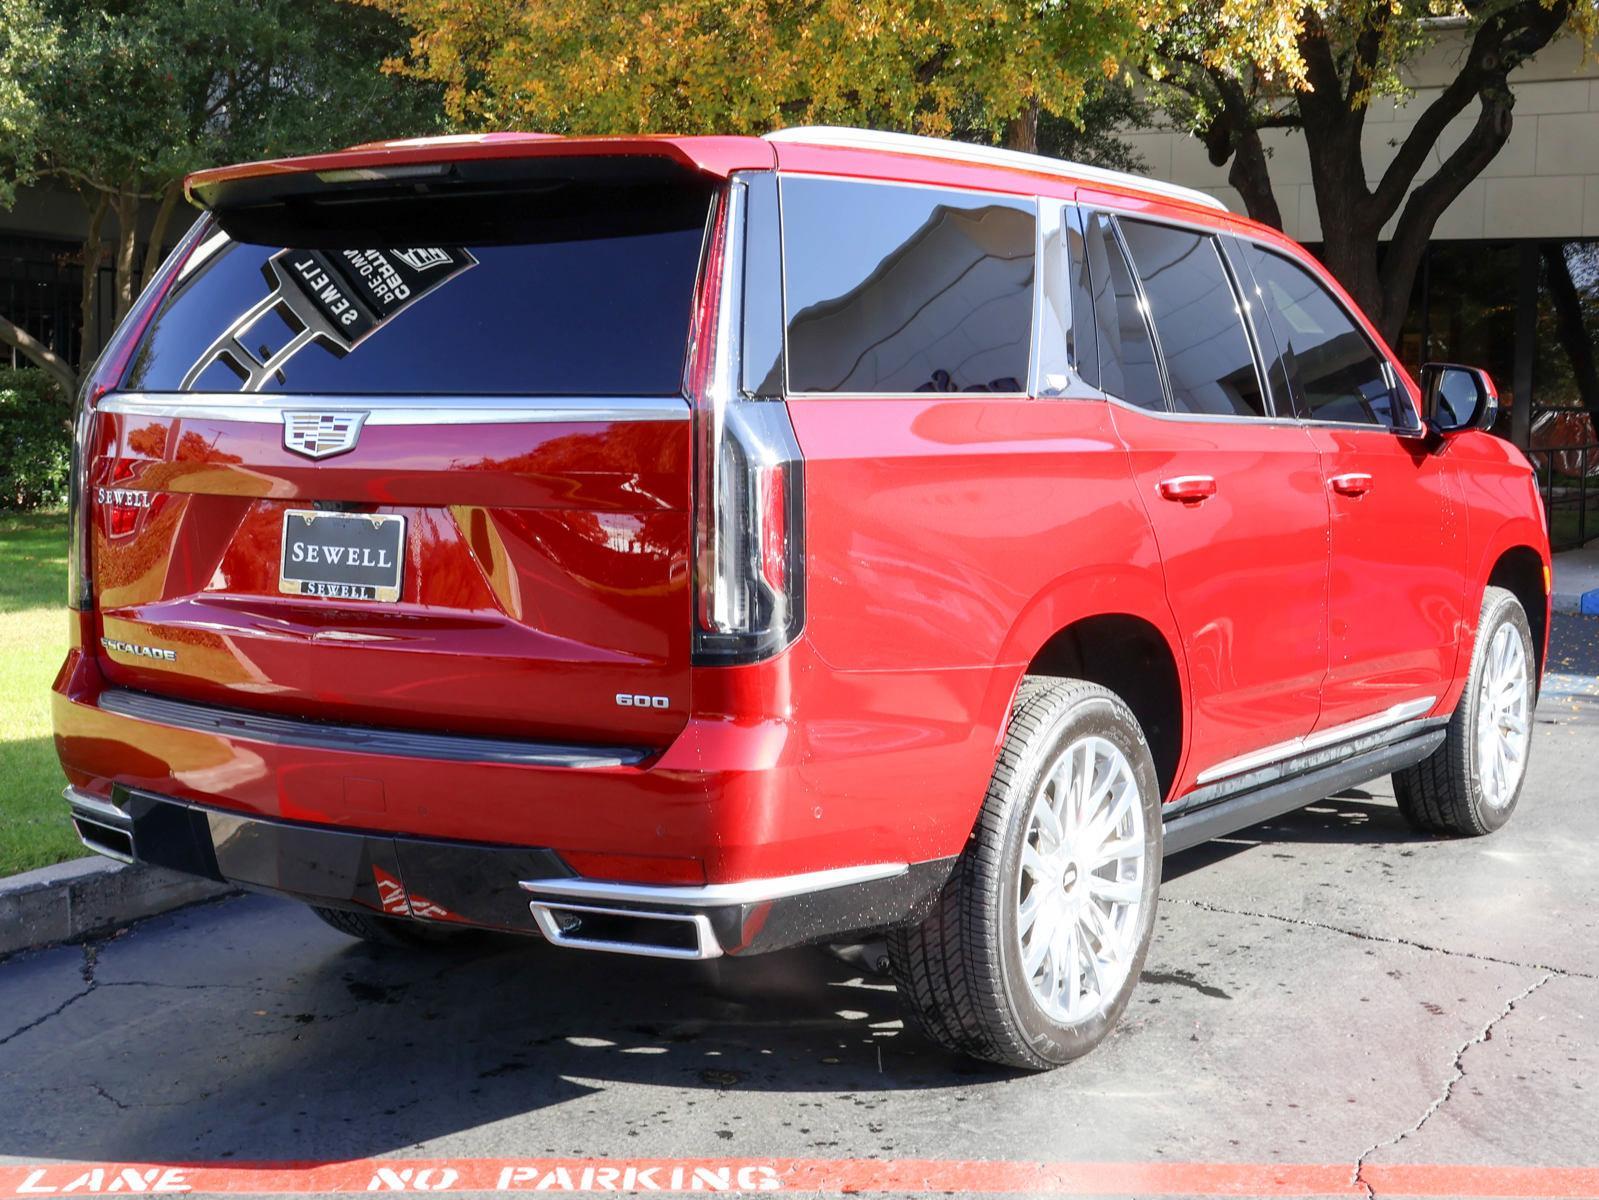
<point x="1328" y="989"/>
<point x="1458" y="1074"/>
<point x="1377" y="937"/>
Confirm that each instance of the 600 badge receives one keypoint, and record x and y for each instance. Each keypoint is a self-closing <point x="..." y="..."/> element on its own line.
<point x="625" y="700"/>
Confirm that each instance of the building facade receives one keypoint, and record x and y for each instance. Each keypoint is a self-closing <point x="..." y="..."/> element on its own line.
<point x="1511" y="279"/>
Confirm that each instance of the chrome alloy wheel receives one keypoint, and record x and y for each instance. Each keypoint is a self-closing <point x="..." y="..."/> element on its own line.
<point x="1504" y="720"/>
<point x="1081" y="886"/>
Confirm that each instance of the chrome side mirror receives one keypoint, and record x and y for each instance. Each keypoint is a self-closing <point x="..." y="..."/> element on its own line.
<point x="1457" y="398"/>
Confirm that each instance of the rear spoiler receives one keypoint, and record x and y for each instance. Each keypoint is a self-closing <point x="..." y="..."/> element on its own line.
<point x="468" y="157"/>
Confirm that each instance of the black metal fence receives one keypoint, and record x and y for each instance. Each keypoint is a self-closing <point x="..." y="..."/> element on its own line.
<point x="1569" y="479"/>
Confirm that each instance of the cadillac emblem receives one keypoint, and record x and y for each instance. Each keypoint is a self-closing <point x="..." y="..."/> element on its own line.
<point x="321" y="434"/>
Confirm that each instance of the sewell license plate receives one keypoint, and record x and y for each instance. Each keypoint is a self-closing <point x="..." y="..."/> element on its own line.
<point x="342" y="556"/>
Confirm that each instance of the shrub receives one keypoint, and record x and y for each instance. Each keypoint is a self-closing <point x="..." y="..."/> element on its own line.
<point x="35" y="439"/>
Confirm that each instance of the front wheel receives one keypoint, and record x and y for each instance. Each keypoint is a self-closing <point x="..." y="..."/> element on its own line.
<point x="1469" y="785"/>
<point x="1039" y="935"/>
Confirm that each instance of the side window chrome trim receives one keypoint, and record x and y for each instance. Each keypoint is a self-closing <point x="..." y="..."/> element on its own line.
<point x="1024" y="197"/>
<point x="1210" y="418"/>
<point x="907" y="397"/>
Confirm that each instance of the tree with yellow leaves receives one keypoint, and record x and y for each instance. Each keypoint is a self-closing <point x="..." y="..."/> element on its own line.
<point x="1345" y="56"/>
<point x="1227" y="69"/>
<point x="736" y="66"/>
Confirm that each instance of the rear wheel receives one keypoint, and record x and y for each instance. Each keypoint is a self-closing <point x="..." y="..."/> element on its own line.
<point x="394" y="932"/>
<point x="1469" y="785"/>
<point x="1039" y="936"/>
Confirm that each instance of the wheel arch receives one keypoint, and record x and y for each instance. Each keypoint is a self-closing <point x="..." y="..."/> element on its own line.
<point x="1512" y="553"/>
<point x="1114" y="629"/>
<point x="1520" y="571"/>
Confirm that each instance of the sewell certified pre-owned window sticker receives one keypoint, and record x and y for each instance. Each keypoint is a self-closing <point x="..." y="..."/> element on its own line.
<point x="334" y="298"/>
<point x="358" y="291"/>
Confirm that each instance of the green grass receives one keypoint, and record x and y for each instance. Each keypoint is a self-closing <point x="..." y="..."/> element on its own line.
<point x="34" y="830"/>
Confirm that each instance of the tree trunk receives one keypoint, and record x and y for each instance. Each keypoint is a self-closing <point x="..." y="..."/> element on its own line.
<point x="40" y="355"/>
<point x="158" y="232"/>
<point x="1021" y="131"/>
<point x="1349" y="240"/>
<point x="89" y="300"/>
<point x="1250" y="175"/>
<point x="1573" y="329"/>
<point x="127" y="205"/>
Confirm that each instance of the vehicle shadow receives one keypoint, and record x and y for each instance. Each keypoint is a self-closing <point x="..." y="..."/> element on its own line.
<point x="1351" y="817"/>
<point x="246" y="1029"/>
<point x="300" y="1046"/>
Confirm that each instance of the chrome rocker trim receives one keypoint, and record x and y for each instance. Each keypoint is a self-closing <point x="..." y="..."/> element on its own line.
<point x="1396" y="715"/>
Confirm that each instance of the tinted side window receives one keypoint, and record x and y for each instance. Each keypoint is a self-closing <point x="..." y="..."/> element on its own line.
<point x="1209" y="362"/>
<point x="899" y="289"/>
<point x="1333" y="369"/>
<point x="1127" y="366"/>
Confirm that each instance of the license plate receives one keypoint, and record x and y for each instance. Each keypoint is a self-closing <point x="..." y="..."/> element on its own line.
<point x="342" y="556"/>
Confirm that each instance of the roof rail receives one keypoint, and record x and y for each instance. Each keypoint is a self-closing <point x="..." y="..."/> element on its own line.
<point x="993" y="156"/>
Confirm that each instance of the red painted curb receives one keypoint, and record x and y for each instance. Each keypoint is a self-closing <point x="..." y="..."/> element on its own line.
<point x="837" y="1176"/>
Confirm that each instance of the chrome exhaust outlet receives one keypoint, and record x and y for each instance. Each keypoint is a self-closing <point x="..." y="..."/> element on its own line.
<point x="626" y="930"/>
<point x="101" y="826"/>
<point x="669" y="920"/>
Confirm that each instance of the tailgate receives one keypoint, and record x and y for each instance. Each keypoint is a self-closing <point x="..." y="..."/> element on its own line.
<point x="439" y="483"/>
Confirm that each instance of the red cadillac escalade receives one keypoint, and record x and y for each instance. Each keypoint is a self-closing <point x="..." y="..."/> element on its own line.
<point x="706" y="545"/>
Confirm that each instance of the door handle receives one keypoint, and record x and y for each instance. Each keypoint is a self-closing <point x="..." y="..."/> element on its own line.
<point x="1188" y="489"/>
<point x="1356" y="483"/>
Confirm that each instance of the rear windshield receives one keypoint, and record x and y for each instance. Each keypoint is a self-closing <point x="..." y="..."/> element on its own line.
<point x="594" y="301"/>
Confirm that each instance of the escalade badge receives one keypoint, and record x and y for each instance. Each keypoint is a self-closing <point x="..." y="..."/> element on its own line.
<point x="159" y="653"/>
<point x="321" y="434"/>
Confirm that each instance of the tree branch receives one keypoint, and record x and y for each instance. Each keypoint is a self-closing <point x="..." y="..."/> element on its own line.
<point x="153" y="251"/>
<point x="1428" y="202"/>
<point x="1502" y="43"/>
<point x="1363" y="59"/>
<point x="1321" y="69"/>
<point x="1235" y="134"/>
<point x="40" y="355"/>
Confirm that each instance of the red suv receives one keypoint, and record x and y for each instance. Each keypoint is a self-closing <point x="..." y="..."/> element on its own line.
<point x="706" y="545"/>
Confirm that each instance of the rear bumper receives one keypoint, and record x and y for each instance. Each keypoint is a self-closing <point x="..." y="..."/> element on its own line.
<point x="727" y="800"/>
<point x="517" y="889"/>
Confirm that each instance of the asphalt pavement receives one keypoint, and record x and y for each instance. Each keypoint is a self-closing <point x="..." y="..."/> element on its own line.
<point x="1331" y="999"/>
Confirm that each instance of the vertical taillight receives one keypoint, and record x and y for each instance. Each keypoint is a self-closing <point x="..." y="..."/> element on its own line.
<point x="104" y="376"/>
<point x="749" y="474"/>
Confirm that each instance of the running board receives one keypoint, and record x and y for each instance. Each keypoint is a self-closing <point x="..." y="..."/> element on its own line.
<point x="1184" y="830"/>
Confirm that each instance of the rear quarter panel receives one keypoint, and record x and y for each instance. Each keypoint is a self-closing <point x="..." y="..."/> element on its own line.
<point x="948" y="539"/>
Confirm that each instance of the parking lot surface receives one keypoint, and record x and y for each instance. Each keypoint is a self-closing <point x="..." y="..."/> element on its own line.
<point x="1331" y="1000"/>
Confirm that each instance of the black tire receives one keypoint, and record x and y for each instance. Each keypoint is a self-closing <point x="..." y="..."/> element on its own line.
<point x="960" y="973"/>
<point x="1445" y="793"/>
<point x="395" y="932"/>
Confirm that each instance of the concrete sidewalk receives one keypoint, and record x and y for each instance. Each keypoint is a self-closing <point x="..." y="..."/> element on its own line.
<point x="1576" y="588"/>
